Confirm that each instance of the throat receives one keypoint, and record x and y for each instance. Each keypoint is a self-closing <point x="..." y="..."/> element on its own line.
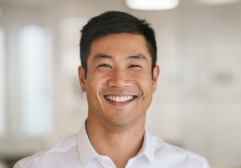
<point x="119" y="148"/>
<point x="120" y="153"/>
<point x="119" y="145"/>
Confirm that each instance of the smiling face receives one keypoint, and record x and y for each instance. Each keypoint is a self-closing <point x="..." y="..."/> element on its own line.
<point x="119" y="82"/>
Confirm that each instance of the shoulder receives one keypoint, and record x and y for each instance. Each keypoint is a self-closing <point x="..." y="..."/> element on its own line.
<point x="48" y="157"/>
<point x="176" y="155"/>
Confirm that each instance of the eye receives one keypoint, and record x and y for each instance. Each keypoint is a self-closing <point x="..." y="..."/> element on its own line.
<point x="135" y="66"/>
<point x="104" y="65"/>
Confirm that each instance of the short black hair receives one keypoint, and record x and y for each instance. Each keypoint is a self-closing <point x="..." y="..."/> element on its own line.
<point x="114" y="22"/>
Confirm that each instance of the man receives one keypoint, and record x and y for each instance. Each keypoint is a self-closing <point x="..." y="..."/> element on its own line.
<point x="119" y="75"/>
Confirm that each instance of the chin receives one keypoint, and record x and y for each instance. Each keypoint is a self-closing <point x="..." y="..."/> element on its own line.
<point x="122" y="121"/>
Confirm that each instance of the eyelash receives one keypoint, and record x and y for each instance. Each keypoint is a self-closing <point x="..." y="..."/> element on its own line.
<point x="104" y="65"/>
<point x="108" y="66"/>
<point x="134" y="66"/>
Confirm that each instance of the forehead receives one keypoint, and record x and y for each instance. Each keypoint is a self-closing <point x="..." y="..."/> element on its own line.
<point x="120" y="45"/>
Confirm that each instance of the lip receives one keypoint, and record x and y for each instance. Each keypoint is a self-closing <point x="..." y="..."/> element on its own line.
<point x="120" y="104"/>
<point x="112" y="94"/>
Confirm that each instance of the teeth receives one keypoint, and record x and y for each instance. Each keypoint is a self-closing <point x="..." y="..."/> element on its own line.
<point x="119" y="98"/>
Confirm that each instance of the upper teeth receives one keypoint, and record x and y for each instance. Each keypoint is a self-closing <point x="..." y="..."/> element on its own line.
<point x="119" y="98"/>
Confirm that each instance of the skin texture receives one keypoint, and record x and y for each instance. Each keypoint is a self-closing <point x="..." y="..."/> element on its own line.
<point x="118" y="65"/>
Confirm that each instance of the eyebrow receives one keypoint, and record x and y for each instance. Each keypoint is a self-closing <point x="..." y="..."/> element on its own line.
<point x="100" y="56"/>
<point x="139" y="57"/>
<point x="131" y="57"/>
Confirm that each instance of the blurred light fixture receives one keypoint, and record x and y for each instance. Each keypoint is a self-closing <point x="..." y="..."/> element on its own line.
<point x="152" y="4"/>
<point x="216" y="2"/>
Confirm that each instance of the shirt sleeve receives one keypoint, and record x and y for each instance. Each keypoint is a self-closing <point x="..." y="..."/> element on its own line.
<point x="205" y="164"/>
<point x="17" y="165"/>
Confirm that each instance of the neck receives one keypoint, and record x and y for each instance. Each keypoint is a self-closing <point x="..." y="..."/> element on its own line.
<point x="120" y="144"/>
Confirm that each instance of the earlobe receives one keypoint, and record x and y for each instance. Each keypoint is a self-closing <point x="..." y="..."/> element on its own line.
<point x="156" y="72"/>
<point x="81" y="72"/>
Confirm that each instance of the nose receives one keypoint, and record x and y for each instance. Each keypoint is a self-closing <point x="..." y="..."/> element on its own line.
<point x="120" y="78"/>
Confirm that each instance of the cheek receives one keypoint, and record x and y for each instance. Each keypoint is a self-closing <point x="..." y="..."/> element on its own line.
<point x="144" y="83"/>
<point x="94" y="83"/>
<point x="144" y="79"/>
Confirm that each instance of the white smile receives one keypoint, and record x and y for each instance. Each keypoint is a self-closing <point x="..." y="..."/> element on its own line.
<point x="119" y="98"/>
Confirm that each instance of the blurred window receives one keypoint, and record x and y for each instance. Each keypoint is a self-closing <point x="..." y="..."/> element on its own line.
<point x="2" y="91"/>
<point x="35" y="80"/>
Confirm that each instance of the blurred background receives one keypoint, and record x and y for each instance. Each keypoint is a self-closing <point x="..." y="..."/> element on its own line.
<point x="197" y="105"/>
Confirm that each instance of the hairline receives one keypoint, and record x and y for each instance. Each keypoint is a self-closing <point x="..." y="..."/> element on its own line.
<point x="148" y="45"/>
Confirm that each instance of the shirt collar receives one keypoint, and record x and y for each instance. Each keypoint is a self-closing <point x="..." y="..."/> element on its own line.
<point x="86" y="151"/>
<point x="147" y="148"/>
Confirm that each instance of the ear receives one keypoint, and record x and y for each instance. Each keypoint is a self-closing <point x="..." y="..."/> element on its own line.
<point x="82" y="80"/>
<point x="155" y="76"/>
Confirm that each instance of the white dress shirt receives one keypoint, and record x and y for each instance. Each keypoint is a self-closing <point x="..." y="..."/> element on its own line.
<point x="77" y="152"/>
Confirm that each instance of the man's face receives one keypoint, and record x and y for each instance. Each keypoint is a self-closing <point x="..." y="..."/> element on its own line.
<point x="119" y="82"/>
